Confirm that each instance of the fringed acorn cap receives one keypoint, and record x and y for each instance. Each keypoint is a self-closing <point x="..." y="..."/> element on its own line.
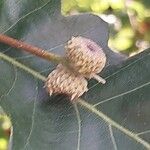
<point x="61" y="80"/>
<point x="86" y="57"/>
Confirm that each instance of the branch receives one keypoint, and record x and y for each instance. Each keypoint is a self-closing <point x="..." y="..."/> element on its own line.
<point x="31" y="49"/>
<point x="42" y="53"/>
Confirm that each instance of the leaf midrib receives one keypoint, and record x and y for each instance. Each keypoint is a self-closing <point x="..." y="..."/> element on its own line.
<point x="90" y="107"/>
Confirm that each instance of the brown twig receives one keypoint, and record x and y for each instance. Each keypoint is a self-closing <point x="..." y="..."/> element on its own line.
<point x="31" y="49"/>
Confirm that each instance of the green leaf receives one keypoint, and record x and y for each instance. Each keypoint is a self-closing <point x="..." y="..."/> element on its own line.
<point x="43" y="122"/>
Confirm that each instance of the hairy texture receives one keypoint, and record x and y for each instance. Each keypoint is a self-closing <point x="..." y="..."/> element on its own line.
<point x="85" y="56"/>
<point x="61" y="80"/>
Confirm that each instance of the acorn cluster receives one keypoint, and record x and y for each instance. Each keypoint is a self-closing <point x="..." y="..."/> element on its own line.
<point x="86" y="58"/>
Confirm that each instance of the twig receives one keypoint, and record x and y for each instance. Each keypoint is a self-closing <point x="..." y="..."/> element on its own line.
<point x="31" y="49"/>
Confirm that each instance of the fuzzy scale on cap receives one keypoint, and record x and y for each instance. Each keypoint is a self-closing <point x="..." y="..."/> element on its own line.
<point x="61" y="80"/>
<point x="85" y="56"/>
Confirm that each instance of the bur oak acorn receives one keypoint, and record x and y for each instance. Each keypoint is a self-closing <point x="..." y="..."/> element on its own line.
<point x="62" y="80"/>
<point x="86" y="58"/>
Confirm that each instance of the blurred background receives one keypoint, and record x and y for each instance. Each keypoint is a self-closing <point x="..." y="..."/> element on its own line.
<point x="5" y="125"/>
<point x="129" y="22"/>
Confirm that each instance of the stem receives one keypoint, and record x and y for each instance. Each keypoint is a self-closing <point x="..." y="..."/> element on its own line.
<point x="99" y="79"/>
<point x="113" y="123"/>
<point x="31" y="49"/>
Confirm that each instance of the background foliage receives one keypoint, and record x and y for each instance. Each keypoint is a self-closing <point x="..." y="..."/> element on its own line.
<point x="129" y="31"/>
<point x="129" y="20"/>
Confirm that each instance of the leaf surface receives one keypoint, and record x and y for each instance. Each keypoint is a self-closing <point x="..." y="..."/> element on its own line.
<point x="43" y="122"/>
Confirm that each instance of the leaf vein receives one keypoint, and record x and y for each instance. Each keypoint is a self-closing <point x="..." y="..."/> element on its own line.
<point x="122" y="94"/>
<point x="12" y="86"/>
<point x="144" y="132"/>
<point x="107" y="119"/>
<point x="112" y="137"/>
<point x="123" y="68"/>
<point x="26" y="15"/>
<point x="79" y="125"/>
<point x="32" y="122"/>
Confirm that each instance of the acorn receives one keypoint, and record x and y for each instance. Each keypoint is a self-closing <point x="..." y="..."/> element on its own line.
<point x="86" y="57"/>
<point x="63" y="81"/>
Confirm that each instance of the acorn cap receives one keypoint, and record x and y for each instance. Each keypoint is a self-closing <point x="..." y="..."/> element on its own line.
<point x="61" y="80"/>
<point x="85" y="56"/>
